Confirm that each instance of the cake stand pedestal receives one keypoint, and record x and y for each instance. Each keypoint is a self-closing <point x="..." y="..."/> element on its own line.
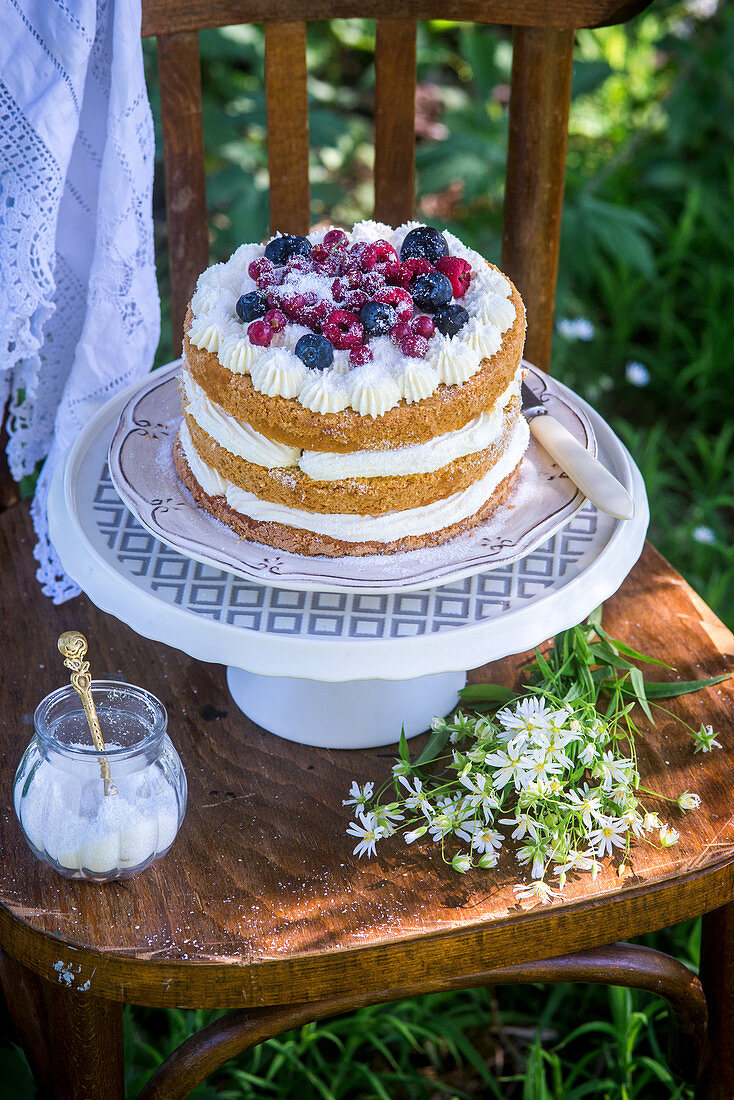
<point x="332" y="668"/>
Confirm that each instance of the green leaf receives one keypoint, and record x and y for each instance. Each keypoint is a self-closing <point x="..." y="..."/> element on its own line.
<point x="403" y="746"/>
<point x="486" y="693"/>
<point x="639" y="688"/>
<point x="667" y="690"/>
<point x="436" y="742"/>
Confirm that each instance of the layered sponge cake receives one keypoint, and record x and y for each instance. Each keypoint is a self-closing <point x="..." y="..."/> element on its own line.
<point x="352" y="393"/>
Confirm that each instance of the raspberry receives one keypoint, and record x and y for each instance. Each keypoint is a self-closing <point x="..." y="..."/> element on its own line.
<point x="314" y="315"/>
<point x="423" y="326"/>
<point x="335" y="237"/>
<point x="260" y="333"/>
<point x="409" y="268"/>
<point x="400" y="331"/>
<point x="355" y="299"/>
<point x="276" y="319"/>
<point x="414" y="346"/>
<point x="399" y="298"/>
<point x="355" y="252"/>
<point x="457" y="271"/>
<point x="372" y="282"/>
<point x="360" y="355"/>
<point x="338" y="289"/>
<point x="390" y="271"/>
<point x="343" y="329"/>
<point x="377" y="252"/>
<point x="292" y="304"/>
<point x="331" y="265"/>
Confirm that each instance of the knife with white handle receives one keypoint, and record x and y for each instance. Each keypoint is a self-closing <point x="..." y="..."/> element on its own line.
<point x="594" y="480"/>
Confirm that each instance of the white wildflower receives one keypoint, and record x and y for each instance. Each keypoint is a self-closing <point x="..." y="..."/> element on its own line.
<point x="576" y="328"/>
<point x="536" y="891"/>
<point x="538" y="854"/>
<point x="486" y="840"/>
<point x="415" y="834"/>
<point x="612" y="771"/>
<point x="506" y="766"/>
<point x="368" y="833"/>
<point x="360" y="795"/>
<point x="668" y="836"/>
<point x="529" y="716"/>
<point x="523" y="824"/>
<point x="461" y="863"/>
<point x="609" y="833"/>
<point x="704" y="739"/>
<point x="416" y="799"/>
<point x="636" y="373"/>
<point x="689" y="801"/>
<point x="587" y="805"/>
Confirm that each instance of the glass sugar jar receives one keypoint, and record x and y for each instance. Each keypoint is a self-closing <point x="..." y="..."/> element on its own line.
<point x="100" y="815"/>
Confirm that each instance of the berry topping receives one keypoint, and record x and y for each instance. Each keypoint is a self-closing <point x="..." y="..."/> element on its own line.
<point x="260" y="333"/>
<point x="414" y="346"/>
<point x="425" y="242"/>
<point x="252" y="305"/>
<point x="423" y="326"/>
<point x="431" y="291"/>
<point x="450" y="319"/>
<point x="276" y="319"/>
<point x="399" y="331"/>
<point x="399" y="298"/>
<point x="314" y="313"/>
<point x="291" y="304"/>
<point x="371" y="282"/>
<point x="355" y="299"/>
<point x="304" y="264"/>
<point x="335" y="238"/>
<point x="315" y="351"/>
<point x="377" y="252"/>
<point x="378" y="318"/>
<point x="258" y="268"/>
<point x="280" y="249"/>
<point x="360" y="355"/>
<point x="458" y="272"/>
<point x="343" y="329"/>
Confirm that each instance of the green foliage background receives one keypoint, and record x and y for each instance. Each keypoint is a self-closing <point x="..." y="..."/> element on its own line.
<point x="647" y="258"/>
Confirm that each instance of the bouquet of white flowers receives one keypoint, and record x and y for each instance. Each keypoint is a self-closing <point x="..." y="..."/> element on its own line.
<point x="556" y="765"/>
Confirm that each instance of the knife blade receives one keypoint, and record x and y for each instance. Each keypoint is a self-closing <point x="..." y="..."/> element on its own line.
<point x="593" y="479"/>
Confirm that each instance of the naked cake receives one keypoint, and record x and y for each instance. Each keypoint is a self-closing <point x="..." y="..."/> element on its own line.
<point x="352" y="393"/>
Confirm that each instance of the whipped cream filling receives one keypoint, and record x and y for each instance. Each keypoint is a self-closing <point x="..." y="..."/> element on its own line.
<point x="241" y="439"/>
<point x="235" y="436"/>
<point x="373" y="388"/>
<point x="418" y="458"/>
<point x="352" y="528"/>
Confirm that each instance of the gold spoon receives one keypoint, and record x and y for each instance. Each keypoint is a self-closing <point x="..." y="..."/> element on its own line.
<point x="73" y="645"/>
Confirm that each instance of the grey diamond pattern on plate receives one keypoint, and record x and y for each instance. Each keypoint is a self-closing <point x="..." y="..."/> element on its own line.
<point x="217" y="595"/>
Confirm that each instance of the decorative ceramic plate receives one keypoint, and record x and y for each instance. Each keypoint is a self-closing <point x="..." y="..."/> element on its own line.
<point x="542" y="500"/>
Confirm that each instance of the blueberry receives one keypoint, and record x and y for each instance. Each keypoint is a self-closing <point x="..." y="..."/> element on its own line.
<point x="449" y="319"/>
<point x="252" y="305"/>
<point x="315" y="351"/>
<point x="280" y="249"/>
<point x="425" y="242"/>
<point x="431" y="291"/>
<point x="377" y="318"/>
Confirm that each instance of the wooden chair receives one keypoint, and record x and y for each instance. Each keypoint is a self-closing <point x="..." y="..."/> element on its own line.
<point x="261" y="907"/>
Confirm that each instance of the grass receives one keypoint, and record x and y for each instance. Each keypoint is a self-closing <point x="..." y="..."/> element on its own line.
<point x="646" y="258"/>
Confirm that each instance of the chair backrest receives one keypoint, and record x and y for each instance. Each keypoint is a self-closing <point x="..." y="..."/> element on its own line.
<point x="539" y="102"/>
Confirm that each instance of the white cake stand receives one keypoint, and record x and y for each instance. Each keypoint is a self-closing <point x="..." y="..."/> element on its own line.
<point x="331" y="668"/>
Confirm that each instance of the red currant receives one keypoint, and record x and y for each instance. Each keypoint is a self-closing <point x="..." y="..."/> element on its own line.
<point x="414" y="346"/>
<point x="360" y="355"/>
<point x="423" y="326"/>
<point x="400" y="331"/>
<point x="335" y="238"/>
<point x="355" y="299"/>
<point x="260" y="333"/>
<point x="276" y="319"/>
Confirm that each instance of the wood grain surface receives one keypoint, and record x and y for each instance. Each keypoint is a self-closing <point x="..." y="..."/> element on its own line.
<point x="287" y="106"/>
<point x="395" y="75"/>
<point x="261" y="901"/>
<point x="165" y="15"/>
<point x="540" y="97"/>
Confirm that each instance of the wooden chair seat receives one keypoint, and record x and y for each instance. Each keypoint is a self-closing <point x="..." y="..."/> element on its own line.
<point x="261" y="903"/>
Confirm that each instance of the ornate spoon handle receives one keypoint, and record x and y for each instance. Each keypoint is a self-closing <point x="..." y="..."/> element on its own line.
<point x="73" y="646"/>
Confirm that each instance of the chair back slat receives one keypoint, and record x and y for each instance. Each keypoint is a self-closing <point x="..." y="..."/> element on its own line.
<point x="395" y="120"/>
<point x="183" y="151"/>
<point x="287" y="104"/>
<point x="540" y="97"/>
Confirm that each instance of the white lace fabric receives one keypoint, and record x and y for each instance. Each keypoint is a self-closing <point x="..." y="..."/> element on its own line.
<point x="79" y="307"/>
